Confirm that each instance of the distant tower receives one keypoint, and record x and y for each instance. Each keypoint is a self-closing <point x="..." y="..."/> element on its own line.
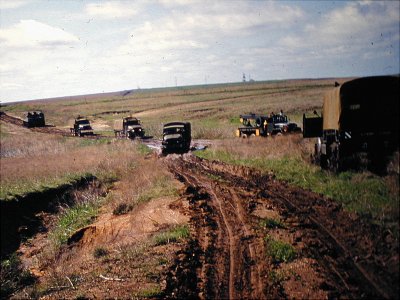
<point x="244" y="77"/>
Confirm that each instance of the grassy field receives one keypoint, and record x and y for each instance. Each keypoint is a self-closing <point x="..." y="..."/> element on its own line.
<point x="213" y="109"/>
<point x="33" y="161"/>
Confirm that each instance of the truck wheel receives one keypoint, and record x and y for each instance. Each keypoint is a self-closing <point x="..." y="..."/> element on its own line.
<point x="244" y="136"/>
<point x="334" y="160"/>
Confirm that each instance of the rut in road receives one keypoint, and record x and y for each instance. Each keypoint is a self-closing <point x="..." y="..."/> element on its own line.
<point x="230" y="267"/>
<point x="227" y="258"/>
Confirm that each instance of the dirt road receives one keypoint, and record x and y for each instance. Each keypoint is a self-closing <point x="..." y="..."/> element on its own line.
<point x="338" y="255"/>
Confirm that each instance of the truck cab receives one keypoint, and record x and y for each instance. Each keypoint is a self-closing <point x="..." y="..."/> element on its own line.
<point x="34" y="119"/>
<point x="81" y="127"/>
<point x="176" y="137"/>
<point x="132" y="128"/>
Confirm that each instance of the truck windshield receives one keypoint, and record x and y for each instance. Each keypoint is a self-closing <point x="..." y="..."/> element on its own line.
<point x="173" y="130"/>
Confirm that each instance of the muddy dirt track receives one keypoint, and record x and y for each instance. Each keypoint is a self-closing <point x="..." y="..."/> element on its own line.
<point x="49" y="129"/>
<point x="226" y="258"/>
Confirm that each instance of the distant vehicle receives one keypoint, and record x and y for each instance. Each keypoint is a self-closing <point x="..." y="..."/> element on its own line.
<point x="280" y="124"/>
<point x="34" y="119"/>
<point x="176" y="137"/>
<point x="81" y="127"/>
<point x="359" y="124"/>
<point x="129" y="127"/>
<point x="264" y="125"/>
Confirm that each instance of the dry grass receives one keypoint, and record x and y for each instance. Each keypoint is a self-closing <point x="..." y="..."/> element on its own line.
<point x="215" y="103"/>
<point x="267" y="148"/>
<point x="33" y="161"/>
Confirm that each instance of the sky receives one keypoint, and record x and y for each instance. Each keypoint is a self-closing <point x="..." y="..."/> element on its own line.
<point x="54" y="48"/>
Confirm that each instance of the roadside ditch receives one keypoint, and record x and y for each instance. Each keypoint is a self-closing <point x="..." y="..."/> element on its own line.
<point x="20" y="218"/>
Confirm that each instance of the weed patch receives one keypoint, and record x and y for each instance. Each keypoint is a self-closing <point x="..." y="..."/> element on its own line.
<point x="13" y="276"/>
<point x="271" y="223"/>
<point x="174" y="234"/>
<point x="162" y="187"/>
<point x="122" y="209"/>
<point x="279" y="251"/>
<point x="99" y="252"/>
<point x="82" y="213"/>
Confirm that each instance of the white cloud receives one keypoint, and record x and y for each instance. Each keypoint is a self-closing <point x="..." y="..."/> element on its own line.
<point x="354" y="26"/>
<point x="112" y="9"/>
<point x="31" y="33"/>
<point x="11" y="4"/>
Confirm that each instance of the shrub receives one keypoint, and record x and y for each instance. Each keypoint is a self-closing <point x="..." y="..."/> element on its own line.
<point x="100" y="252"/>
<point x="122" y="209"/>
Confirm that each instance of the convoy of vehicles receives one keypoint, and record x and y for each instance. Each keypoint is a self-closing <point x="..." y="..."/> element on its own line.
<point x="359" y="124"/>
<point x="129" y="127"/>
<point x="81" y="127"/>
<point x="34" y="119"/>
<point x="176" y="137"/>
<point x="264" y="125"/>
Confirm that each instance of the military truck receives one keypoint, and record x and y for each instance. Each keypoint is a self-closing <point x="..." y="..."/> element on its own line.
<point x="129" y="127"/>
<point x="34" y="119"/>
<point x="176" y="137"/>
<point x="81" y="127"/>
<point x="264" y="125"/>
<point x="359" y="124"/>
<point x="253" y="125"/>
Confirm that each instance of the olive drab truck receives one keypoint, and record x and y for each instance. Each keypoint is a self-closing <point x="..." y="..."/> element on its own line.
<point x="34" y="119"/>
<point x="129" y="127"/>
<point x="176" y="137"/>
<point x="81" y="127"/>
<point x="359" y="124"/>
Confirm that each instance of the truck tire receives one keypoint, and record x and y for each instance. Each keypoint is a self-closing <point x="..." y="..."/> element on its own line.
<point x="334" y="159"/>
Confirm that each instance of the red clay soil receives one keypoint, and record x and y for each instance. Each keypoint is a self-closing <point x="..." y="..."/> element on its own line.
<point x="339" y="255"/>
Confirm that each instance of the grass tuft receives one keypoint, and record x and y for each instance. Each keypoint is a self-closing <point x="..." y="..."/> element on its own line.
<point x="13" y="276"/>
<point x="279" y="251"/>
<point x="174" y="234"/>
<point x="100" y="252"/>
<point x="271" y="223"/>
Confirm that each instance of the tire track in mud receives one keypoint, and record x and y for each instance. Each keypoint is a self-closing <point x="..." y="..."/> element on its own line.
<point x="356" y="259"/>
<point x="228" y="262"/>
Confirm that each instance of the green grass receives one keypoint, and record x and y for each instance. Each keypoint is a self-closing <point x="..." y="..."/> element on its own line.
<point x="172" y="235"/>
<point x="9" y="191"/>
<point x="143" y="149"/>
<point x="72" y="219"/>
<point x="271" y="223"/>
<point x="364" y="193"/>
<point x="13" y="276"/>
<point x="162" y="187"/>
<point x="150" y="292"/>
<point x="279" y="251"/>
